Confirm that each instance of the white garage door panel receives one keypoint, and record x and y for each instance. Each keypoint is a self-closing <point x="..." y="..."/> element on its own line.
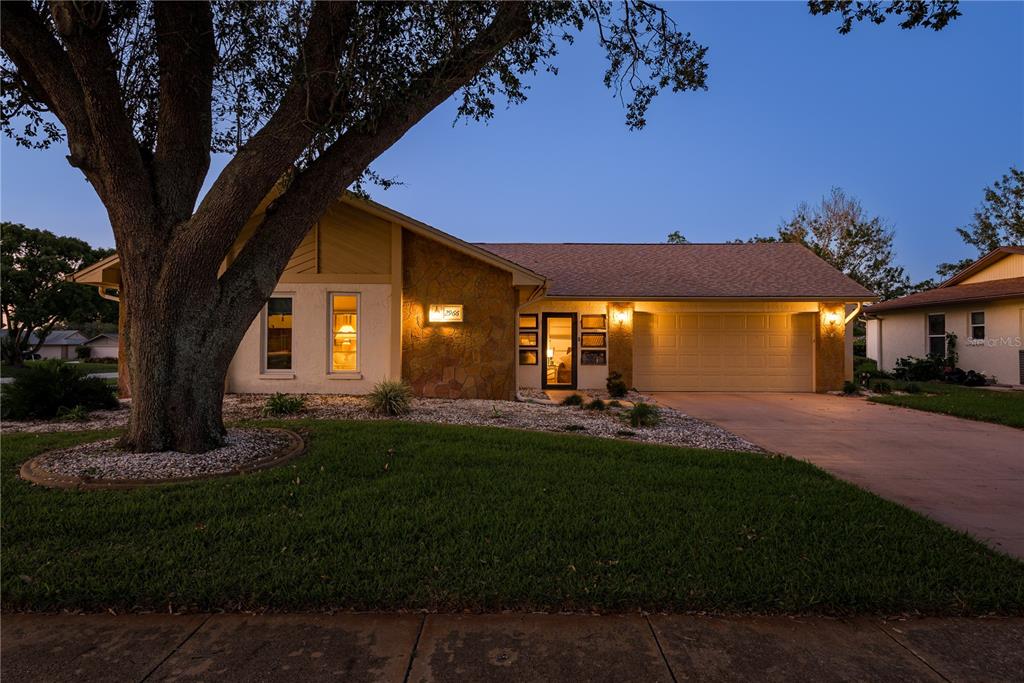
<point x="723" y="352"/>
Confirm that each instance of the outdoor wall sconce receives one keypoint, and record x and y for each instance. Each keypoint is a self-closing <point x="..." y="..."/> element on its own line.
<point x="832" y="318"/>
<point x="445" y="313"/>
<point x="621" y="316"/>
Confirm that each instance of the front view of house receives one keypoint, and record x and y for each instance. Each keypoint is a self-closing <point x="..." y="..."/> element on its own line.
<point x="372" y="294"/>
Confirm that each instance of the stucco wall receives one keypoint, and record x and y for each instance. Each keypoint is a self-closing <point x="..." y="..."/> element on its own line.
<point x="903" y="333"/>
<point x="310" y="344"/>
<point x="471" y="359"/>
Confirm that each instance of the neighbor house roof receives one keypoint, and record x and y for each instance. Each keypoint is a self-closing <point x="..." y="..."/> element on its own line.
<point x="764" y="270"/>
<point x="55" y="338"/>
<point x="990" y="290"/>
<point x="981" y="264"/>
<point x="111" y="336"/>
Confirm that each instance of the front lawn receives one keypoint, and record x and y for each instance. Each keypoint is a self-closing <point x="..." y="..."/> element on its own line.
<point x="87" y="367"/>
<point x="386" y="515"/>
<point x="973" y="403"/>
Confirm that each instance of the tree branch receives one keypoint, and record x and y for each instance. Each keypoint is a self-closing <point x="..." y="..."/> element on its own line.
<point x="44" y="67"/>
<point x="125" y="179"/>
<point x="267" y="156"/>
<point x="187" y="54"/>
<point x="263" y="258"/>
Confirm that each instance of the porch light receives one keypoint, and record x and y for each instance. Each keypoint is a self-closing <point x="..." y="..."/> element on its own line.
<point x="445" y="313"/>
<point x="621" y="316"/>
<point x="833" y="317"/>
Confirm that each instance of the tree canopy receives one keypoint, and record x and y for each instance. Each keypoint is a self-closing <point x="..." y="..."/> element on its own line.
<point x="998" y="221"/>
<point x="36" y="294"/>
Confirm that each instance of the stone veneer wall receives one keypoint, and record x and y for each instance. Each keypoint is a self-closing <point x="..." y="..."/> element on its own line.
<point x="471" y="359"/>
<point x="830" y="348"/>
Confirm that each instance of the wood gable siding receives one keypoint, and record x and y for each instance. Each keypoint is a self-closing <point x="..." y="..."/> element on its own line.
<point x="346" y="245"/>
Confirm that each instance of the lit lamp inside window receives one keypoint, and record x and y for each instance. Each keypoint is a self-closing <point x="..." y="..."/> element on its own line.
<point x="344" y="323"/>
<point x="551" y="356"/>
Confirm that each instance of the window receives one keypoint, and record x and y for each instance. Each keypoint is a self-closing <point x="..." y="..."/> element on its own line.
<point x="937" y="334"/>
<point x="528" y="351"/>
<point x="978" y="325"/>
<point x="344" y="332"/>
<point x="593" y="340"/>
<point x="593" y="322"/>
<point x="278" y="334"/>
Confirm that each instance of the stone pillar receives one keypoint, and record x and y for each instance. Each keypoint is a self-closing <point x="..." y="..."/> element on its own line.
<point x="620" y="339"/>
<point x="830" y="348"/>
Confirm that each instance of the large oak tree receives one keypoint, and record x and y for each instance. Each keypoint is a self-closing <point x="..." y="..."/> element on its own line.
<point x="311" y="92"/>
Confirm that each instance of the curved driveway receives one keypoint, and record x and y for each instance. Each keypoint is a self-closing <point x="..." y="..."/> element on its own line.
<point x="967" y="474"/>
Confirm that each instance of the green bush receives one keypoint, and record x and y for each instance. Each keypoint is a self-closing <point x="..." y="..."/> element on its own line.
<point x="616" y="385"/>
<point x="881" y="387"/>
<point x="83" y="352"/>
<point x="919" y="369"/>
<point x="46" y="388"/>
<point x="850" y="388"/>
<point x="596" y="404"/>
<point x="283" y="404"/>
<point x="76" y="414"/>
<point x="572" y="400"/>
<point x="642" y="415"/>
<point x="390" y="397"/>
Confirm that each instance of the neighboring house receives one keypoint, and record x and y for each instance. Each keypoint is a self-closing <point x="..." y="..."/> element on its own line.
<point x="57" y="344"/>
<point x="373" y="294"/>
<point x="983" y="305"/>
<point x="103" y="345"/>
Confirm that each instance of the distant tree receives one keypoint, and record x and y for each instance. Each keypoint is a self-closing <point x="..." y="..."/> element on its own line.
<point x="36" y="294"/>
<point x="998" y="222"/>
<point x="861" y="246"/>
<point x="311" y="93"/>
<point x="676" y="237"/>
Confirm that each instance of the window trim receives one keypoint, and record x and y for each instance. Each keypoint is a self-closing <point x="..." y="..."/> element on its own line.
<point x="971" y="325"/>
<point x="357" y="373"/>
<point x="276" y="373"/>
<point x="928" y="334"/>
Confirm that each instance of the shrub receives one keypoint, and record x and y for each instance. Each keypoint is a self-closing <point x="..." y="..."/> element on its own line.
<point x="390" y="397"/>
<point x="283" y="404"/>
<point x="596" y="404"/>
<point x="919" y="369"/>
<point x="881" y="387"/>
<point x="850" y="388"/>
<point x="76" y="414"/>
<point x="572" y="400"/>
<point x="45" y="388"/>
<point x="642" y="415"/>
<point x="83" y="352"/>
<point x="614" y="404"/>
<point x="912" y="388"/>
<point x="975" y="379"/>
<point x="616" y="385"/>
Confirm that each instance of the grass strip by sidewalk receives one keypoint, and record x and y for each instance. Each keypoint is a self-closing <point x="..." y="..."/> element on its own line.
<point x="972" y="403"/>
<point x="388" y="515"/>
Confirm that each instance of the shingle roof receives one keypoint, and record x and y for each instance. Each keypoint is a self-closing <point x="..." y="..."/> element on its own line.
<point x="622" y="271"/>
<point x="978" y="291"/>
<point x="54" y="338"/>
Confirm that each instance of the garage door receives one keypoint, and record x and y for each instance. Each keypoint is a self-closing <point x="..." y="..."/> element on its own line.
<point x="723" y="352"/>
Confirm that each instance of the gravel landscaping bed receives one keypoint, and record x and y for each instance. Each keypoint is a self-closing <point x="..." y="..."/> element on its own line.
<point x="103" y="460"/>
<point x="675" y="429"/>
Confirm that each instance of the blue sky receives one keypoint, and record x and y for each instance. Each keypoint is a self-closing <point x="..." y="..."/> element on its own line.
<point x="913" y="123"/>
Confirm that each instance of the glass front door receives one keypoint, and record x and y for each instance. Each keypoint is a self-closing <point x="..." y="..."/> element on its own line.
<point x="559" y="333"/>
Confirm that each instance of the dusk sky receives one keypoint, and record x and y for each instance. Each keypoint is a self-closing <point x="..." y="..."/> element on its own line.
<point x="913" y="123"/>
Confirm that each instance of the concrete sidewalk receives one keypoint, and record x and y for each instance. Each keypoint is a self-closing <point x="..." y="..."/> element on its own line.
<point x="505" y="647"/>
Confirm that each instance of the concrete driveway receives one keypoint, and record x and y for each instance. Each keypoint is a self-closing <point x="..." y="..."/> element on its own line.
<point x="968" y="475"/>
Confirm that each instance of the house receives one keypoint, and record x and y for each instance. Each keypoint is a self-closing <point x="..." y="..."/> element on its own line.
<point x="57" y="344"/>
<point x="373" y="294"/>
<point x="103" y="345"/>
<point x="983" y="305"/>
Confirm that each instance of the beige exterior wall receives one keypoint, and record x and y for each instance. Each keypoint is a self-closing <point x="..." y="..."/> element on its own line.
<point x="311" y="343"/>
<point x="897" y="334"/>
<point x="104" y="349"/>
<point x="1009" y="266"/>
<point x="827" y="364"/>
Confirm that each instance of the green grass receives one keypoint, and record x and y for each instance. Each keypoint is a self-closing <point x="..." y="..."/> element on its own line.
<point x="392" y="515"/>
<point x="973" y="403"/>
<point x="88" y="368"/>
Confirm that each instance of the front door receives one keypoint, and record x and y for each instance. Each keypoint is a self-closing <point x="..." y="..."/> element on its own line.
<point x="559" y="352"/>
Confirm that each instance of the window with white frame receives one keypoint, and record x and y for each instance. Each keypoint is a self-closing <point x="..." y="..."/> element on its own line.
<point x="277" y="334"/>
<point x="344" y="332"/>
<point x="978" y="325"/>
<point x="937" y="334"/>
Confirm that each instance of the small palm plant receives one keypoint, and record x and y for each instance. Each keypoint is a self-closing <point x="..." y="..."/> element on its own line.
<point x="390" y="397"/>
